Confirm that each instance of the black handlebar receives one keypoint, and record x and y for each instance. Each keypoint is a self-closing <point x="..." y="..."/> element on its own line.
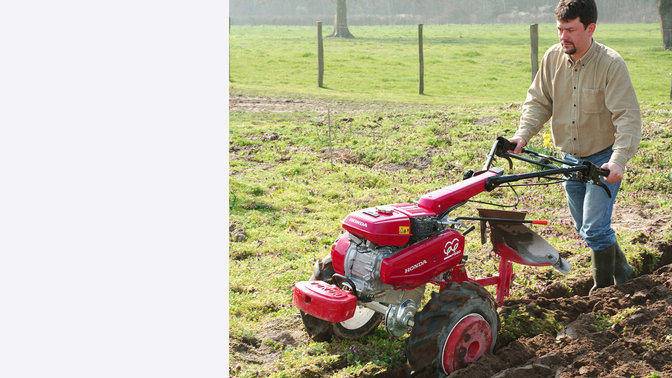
<point x="586" y="171"/>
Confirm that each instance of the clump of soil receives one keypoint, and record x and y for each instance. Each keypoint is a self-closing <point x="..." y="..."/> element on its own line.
<point x="619" y="331"/>
<point x="236" y="232"/>
<point x="419" y="162"/>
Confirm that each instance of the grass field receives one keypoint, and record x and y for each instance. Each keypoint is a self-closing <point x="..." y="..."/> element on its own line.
<point x="463" y="63"/>
<point x="295" y="175"/>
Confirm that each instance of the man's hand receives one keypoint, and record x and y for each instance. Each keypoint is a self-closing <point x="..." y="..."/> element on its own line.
<point x="615" y="172"/>
<point x="520" y="143"/>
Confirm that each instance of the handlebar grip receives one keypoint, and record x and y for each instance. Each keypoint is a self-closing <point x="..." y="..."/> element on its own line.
<point x="510" y="146"/>
<point x="505" y="145"/>
<point x="603" y="172"/>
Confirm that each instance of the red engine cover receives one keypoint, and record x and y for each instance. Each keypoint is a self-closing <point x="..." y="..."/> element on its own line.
<point x="417" y="264"/>
<point x="383" y="227"/>
<point x="324" y="301"/>
<point x="338" y="251"/>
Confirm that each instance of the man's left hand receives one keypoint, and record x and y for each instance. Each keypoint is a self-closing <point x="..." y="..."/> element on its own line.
<point x="615" y="172"/>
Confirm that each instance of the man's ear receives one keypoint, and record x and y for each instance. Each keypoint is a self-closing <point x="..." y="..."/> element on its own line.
<point x="591" y="28"/>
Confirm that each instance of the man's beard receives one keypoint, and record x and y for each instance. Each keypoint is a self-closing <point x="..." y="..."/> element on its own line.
<point x="569" y="50"/>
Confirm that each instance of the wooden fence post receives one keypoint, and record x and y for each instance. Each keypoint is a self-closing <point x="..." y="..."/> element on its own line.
<point x="421" y="61"/>
<point x="534" y="49"/>
<point x="320" y="56"/>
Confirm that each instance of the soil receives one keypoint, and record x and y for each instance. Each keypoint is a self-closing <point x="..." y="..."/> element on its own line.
<point x="639" y="345"/>
<point x="636" y="340"/>
<point x="313" y="105"/>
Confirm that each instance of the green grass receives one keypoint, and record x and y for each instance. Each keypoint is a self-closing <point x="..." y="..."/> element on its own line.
<point x="463" y="63"/>
<point x="289" y="192"/>
<point x="294" y="176"/>
<point x="527" y="321"/>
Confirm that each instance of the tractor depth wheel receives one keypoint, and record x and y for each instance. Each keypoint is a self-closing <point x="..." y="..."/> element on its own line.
<point x="361" y="324"/>
<point x="457" y="326"/>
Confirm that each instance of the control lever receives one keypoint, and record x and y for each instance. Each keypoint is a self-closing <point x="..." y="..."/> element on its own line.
<point x="500" y="148"/>
<point x="503" y="148"/>
<point x="594" y="176"/>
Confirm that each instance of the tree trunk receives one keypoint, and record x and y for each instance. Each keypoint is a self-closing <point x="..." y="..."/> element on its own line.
<point x="341" y="21"/>
<point x="665" y="11"/>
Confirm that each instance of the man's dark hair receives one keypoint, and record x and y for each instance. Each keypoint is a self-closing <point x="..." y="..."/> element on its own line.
<point x="586" y="10"/>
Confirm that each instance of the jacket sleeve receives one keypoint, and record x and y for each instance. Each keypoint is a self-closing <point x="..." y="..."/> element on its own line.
<point x="621" y="100"/>
<point x="538" y="106"/>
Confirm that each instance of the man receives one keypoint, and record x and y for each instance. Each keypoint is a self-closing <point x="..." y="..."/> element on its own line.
<point x="586" y="89"/>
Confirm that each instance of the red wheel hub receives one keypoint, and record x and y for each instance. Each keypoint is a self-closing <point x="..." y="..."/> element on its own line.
<point x="467" y="342"/>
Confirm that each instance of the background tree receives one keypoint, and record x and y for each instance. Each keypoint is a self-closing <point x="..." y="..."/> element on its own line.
<point x="665" y="11"/>
<point x="341" y="21"/>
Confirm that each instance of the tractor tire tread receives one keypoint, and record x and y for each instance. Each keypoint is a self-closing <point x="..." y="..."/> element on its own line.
<point x="423" y="346"/>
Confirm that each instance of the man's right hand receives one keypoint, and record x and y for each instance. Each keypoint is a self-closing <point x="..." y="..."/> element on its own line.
<point x="520" y="143"/>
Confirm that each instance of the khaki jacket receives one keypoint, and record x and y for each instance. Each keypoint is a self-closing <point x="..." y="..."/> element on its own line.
<point x="592" y="102"/>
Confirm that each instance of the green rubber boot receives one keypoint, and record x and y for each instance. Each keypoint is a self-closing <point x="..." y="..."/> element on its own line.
<point x="622" y="270"/>
<point x="603" y="267"/>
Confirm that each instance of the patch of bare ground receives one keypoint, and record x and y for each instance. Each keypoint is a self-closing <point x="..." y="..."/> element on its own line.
<point x="637" y="345"/>
<point x="265" y="348"/>
<point x="419" y="162"/>
<point x="268" y="104"/>
<point x="316" y="105"/>
<point x="627" y="217"/>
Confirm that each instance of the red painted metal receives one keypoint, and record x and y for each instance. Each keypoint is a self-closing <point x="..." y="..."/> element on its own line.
<point x="467" y="342"/>
<point x="487" y="281"/>
<point x="382" y="228"/>
<point x="457" y="274"/>
<point x="418" y="264"/>
<point x="505" y="280"/>
<point x="324" y="301"/>
<point x="445" y="198"/>
<point x="412" y="210"/>
<point x="338" y="251"/>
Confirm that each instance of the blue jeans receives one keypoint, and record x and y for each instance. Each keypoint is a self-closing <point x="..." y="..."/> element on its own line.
<point x="590" y="206"/>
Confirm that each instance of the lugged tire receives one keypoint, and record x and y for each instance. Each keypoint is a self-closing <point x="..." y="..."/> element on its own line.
<point x="363" y="322"/>
<point x="434" y="324"/>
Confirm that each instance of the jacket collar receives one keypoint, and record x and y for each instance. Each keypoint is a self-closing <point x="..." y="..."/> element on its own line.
<point x="586" y="57"/>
